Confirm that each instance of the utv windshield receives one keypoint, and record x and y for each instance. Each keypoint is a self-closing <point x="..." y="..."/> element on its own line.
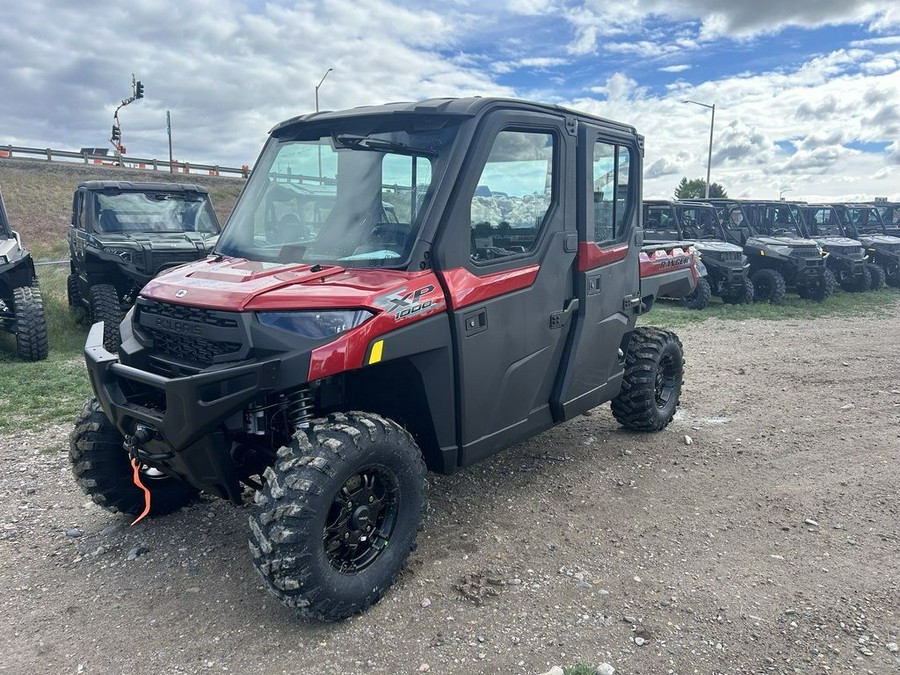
<point x="865" y="219"/>
<point x="823" y="222"/>
<point x="700" y="222"/>
<point x="778" y="219"/>
<point x="4" y="224"/>
<point x="131" y="212"/>
<point x="353" y="197"/>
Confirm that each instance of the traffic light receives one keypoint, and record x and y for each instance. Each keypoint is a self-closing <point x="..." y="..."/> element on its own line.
<point x="116" y="134"/>
<point x="139" y="89"/>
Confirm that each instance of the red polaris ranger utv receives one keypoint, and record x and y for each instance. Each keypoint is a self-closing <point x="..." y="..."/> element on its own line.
<point x="399" y="287"/>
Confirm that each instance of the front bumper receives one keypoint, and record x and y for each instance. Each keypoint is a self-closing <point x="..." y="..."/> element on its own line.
<point x="187" y="417"/>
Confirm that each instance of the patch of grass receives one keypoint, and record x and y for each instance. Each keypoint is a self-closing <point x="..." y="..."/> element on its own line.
<point x="33" y="395"/>
<point x="669" y="313"/>
<point x="580" y="669"/>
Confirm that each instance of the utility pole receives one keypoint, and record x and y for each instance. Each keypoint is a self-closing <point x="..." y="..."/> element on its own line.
<point x="169" y="132"/>
<point x="712" y="123"/>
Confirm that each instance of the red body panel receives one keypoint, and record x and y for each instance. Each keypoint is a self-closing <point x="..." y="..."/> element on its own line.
<point x="465" y="288"/>
<point x="591" y="256"/>
<point x="662" y="261"/>
<point x="396" y="298"/>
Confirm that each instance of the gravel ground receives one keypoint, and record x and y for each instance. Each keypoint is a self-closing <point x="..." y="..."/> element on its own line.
<point x="759" y="533"/>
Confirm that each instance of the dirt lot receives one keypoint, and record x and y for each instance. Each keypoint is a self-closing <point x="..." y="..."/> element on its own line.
<point x="770" y="543"/>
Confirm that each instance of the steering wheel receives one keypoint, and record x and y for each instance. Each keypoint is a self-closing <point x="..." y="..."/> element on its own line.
<point x="391" y="233"/>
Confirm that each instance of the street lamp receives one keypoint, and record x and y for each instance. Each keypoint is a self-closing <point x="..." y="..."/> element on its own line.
<point x="712" y="122"/>
<point x="781" y="194"/>
<point x="319" y="85"/>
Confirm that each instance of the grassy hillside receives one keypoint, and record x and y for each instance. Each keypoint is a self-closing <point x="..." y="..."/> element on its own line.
<point x="38" y="196"/>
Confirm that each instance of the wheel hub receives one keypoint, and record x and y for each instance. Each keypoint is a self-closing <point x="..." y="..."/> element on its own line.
<point x="361" y="519"/>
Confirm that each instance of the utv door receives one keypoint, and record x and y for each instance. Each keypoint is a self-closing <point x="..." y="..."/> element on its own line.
<point x="77" y="235"/>
<point x="607" y="279"/>
<point x="506" y="259"/>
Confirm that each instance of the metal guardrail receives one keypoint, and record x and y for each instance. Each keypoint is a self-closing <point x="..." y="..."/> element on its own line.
<point x="9" y="151"/>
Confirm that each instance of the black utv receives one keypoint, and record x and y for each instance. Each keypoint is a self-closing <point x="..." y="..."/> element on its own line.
<point x="864" y="222"/>
<point x="123" y="234"/>
<point x="845" y="257"/>
<point x="724" y="268"/>
<point x="890" y="214"/>
<point x="780" y="255"/>
<point x="21" y="305"/>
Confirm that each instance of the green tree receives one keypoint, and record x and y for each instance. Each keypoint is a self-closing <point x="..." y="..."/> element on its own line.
<point x="696" y="189"/>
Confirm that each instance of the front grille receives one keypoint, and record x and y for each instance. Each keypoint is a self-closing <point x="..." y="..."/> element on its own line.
<point x="187" y="313"/>
<point x="850" y="251"/>
<point x="805" y="252"/>
<point x="186" y="347"/>
<point x="729" y="256"/>
<point x="196" y="350"/>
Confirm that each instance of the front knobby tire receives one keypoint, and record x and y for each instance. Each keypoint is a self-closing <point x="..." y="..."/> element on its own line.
<point x="651" y="386"/>
<point x="699" y="298"/>
<point x="103" y="471"/>
<point x="338" y="515"/>
<point x="822" y="290"/>
<point x="742" y="296"/>
<point x="877" y="276"/>
<point x="859" y="283"/>
<point x="31" y="324"/>
<point x="105" y="307"/>
<point x="769" y="286"/>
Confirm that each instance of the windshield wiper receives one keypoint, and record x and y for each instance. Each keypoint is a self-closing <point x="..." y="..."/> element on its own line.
<point x="354" y="142"/>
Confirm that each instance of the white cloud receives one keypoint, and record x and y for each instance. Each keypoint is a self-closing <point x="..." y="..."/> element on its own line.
<point x="676" y="69"/>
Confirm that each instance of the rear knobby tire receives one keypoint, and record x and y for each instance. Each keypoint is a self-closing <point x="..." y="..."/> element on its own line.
<point x="105" y="307"/>
<point x="76" y="304"/>
<point x="651" y="386"/>
<point x="73" y="295"/>
<point x="699" y="298"/>
<point x="308" y="538"/>
<point x="31" y="324"/>
<point x="768" y="286"/>
<point x="742" y="296"/>
<point x="103" y="471"/>
<point x="876" y="273"/>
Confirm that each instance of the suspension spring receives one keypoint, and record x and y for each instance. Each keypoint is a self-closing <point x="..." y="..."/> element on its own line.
<point x="300" y="407"/>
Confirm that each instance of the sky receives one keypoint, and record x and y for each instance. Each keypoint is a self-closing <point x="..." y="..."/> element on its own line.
<point x="807" y="92"/>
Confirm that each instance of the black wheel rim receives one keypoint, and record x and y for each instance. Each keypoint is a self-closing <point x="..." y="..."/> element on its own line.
<point x="666" y="380"/>
<point x="361" y="519"/>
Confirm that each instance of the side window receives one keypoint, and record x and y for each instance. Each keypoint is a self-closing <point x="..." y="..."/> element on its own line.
<point x="513" y="196"/>
<point x="611" y="187"/>
<point x="83" y="211"/>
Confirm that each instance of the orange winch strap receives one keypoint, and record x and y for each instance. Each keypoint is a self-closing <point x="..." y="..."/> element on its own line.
<point x="136" y="466"/>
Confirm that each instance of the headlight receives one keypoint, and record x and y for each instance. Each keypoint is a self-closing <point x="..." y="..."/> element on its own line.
<point x="123" y="253"/>
<point x="315" y="325"/>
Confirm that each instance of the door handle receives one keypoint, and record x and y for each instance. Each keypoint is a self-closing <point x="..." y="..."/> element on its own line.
<point x="476" y="322"/>
<point x="561" y="319"/>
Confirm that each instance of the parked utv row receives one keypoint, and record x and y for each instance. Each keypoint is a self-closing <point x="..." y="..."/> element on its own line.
<point x="758" y="250"/>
